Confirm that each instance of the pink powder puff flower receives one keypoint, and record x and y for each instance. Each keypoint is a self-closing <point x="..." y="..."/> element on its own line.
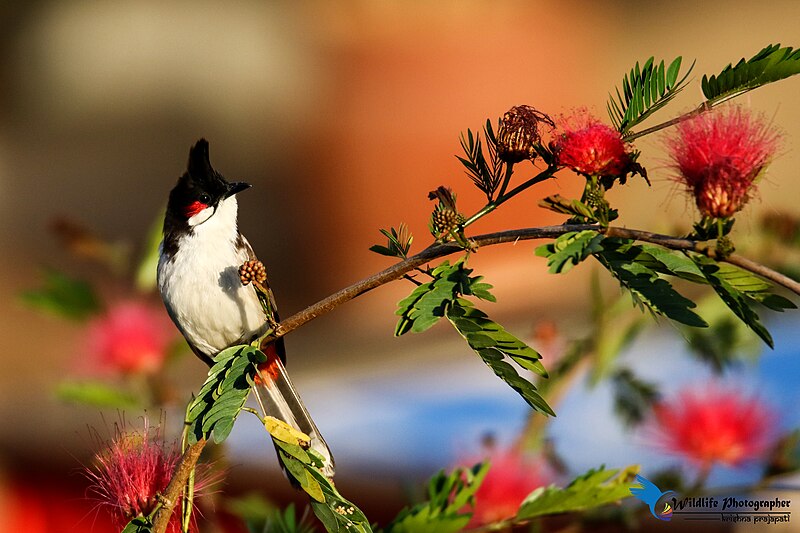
<point x="713" y="425"/>
<point x="591" y="148"/>
<point x="132" y="337"/>
<point x="132" y="470"/>
<point x="719" y="155"/>
<point x="512" y="476"/>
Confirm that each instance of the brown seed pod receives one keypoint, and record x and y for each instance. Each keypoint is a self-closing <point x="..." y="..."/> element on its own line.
<point x="252" y="270"/>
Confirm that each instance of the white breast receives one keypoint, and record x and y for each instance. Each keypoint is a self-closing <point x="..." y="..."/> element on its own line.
<point x="201" y="288"/>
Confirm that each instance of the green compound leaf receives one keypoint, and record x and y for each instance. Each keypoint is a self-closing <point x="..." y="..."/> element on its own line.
<point x="222" y="396"/>
<point x="644" y="91"/>
<point x="398" y="242"/>
<point x="485" y="173"/>
<point x="64" y="297"/>
<point x="444" y="510"/>
<point x="772" y="63"/>
<point x="593" y="489"/>
<point x="493" y="344"/>
<point x="570" y="249"/>
<point x="336" y="512"/>
<point x="637" y="271"/>
<point x="740" y="290"/>
<point x="303" y="465"/>
<point x="427" y="303"/>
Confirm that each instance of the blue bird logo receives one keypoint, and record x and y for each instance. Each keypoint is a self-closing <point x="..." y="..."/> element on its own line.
<point x="646" y="491"/>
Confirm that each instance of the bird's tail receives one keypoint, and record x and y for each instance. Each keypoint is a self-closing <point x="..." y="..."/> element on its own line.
<point x="278" y="398"/>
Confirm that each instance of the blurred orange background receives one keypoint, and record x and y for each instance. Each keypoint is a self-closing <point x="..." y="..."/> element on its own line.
<point x="343" y="116"/>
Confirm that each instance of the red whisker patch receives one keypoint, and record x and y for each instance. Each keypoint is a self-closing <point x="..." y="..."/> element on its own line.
<point x="194" y="208"/>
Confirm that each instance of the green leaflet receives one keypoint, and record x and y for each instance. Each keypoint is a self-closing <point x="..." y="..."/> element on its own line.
<point x="140" y="524"/>
<point x="493" y="344"/>
<point x="666" y="261"/>
<point x="570" y="249"/>
<point x="637" y="270"/>
<point x="63" y="296"/>
<point x="592" y="489"/>
<point x="645" y="91"/>
<point x="772" y="63"/>
<point x="739" y="290"/>
<point x="426" y="304"/>
<point x="447" y="496"/>
<point x="223" y="394"/>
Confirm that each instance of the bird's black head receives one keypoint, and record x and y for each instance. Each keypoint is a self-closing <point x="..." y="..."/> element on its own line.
<point x="199" y="192"/>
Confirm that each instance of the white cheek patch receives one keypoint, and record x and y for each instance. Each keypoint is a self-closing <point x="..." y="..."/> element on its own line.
<point x="202" y="216"/>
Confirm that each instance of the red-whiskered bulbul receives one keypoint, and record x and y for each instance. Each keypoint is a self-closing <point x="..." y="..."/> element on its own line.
<point x="200" y="283"/>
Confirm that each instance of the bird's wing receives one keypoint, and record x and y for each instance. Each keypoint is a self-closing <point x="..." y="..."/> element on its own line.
<point x="280" y="349"/>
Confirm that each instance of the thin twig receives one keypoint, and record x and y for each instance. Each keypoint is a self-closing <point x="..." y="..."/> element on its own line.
<point x="435" y="251"/>
<point x="173" y="491"/>
<point x="702" y="108"/>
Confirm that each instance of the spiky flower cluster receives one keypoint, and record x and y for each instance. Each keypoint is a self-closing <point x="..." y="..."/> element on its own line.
<point x="589" y="147"/>
<point x="719" y="155"/>
<point x="518" y="134"/>
<point x="132" y="470"/>
<point x="713" y="425"/>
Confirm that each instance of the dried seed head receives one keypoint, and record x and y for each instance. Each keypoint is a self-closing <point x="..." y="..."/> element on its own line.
<point x="252" y="270"/>
<point x="518" y="134"/>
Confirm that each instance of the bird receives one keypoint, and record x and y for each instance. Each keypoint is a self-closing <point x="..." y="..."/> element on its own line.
<point x="649" y="493"/>
<point x="207" y="297"/>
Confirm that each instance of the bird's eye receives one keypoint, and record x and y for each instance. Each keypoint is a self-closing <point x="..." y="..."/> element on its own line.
<point x="205" y="198"/>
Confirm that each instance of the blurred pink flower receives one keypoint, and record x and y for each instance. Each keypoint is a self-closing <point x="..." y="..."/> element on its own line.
<point x="590" y="147"/>
<point x="511" y="477"/>
<point x="131" y="337"/>
<point x="712" y="425"/>
<point x="132" y="469"/>
<point x="719" y="155"/>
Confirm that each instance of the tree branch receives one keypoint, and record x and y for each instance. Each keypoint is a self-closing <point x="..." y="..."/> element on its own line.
<point x="438" y="250"/>
<point x="192" y="454"/>
<point x="173" y="491"/>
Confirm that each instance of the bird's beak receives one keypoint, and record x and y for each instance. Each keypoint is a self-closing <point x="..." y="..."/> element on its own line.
<point x="237" y="187"/>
